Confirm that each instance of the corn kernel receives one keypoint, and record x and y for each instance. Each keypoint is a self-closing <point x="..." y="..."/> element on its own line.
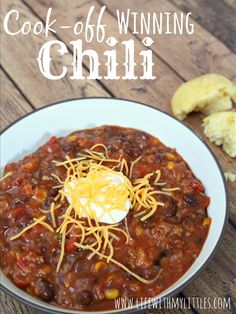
<point x="72" y="138"/>
<point x="206" y="221"/>
<point x="111" y="278"/>
<point x="170" y="165"/>
<point x="111" y="293"/>
<point x="98" y="266"/>
<point x="170" y="156"/>
<point x="40" y="195"/>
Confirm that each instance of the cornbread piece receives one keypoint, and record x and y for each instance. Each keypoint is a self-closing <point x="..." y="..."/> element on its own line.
<point x="220" y="128"/>
<point x="208" y="93"/>
<point x="230" y="176"/>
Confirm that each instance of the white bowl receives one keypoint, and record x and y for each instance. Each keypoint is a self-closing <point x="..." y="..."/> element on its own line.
<point x="25" y="135"/>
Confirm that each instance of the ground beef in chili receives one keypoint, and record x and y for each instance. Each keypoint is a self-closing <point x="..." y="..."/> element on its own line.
<point x="171" y="239"/>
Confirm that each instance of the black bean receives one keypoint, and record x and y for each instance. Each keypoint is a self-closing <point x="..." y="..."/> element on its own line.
<point x="191" y="199"/>
<point x="85" y="298"/>
<point x="133" y="151"/>
<point x="199" y="240"/>
<point x="71" y="147"/>
<point x="86" y="280"/>
<point x="4" y="224"/>
<point x="159" y="158"/>
<point x="24" y="220"/>
<point x="161" y="255"/>
<point x="53" y="192"/>
<point x="44" y="289"/>
<point x="113" y="149"/>
<point x="115" y="135"/>
<point x="129" y="276"/>
<point x="170" y="208"/>
<point x="19" y="201"/>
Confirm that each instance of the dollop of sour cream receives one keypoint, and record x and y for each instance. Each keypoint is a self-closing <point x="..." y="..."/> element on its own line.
<point x="102" y="195"/>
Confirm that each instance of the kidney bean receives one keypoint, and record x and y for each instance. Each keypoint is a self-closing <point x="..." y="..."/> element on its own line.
<point x="19" y="210"/>
<point x="86" y="281"/>
<point x="133" y="151"/>
<point x="85" y="298"/>
<point x="44" y="289"/>
<point x="191" y="199"/>
<point x="170" y="239"/>
<point x="170" y="208"/>
<point x="70" y="246"/>
<point x="159" y="158"/>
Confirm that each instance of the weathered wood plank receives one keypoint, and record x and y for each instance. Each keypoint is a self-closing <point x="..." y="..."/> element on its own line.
<point x="156" y="92"/>
<point x="228" y="164"/>
<point x="20" y="57"/>
<point x="167" y="311"/>
<point x="218" y="17"/>
<point x="159" y="92"/>
<point x="205" y="45"/>
<point x="189" y="55"/>
<point x="218" y="280"/>
<point x="13" y="105"/>
<point x="194" y="120"/>
<point x="142" y="90"/>
<point x="230" y="3"/>
<point x="11" y="306"/>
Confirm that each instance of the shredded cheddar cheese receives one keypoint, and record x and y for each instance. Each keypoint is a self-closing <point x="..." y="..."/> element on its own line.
<point x="96" y="187"/>
<point x="170" y="189"/>
<point x="89" y="247"/>
<point x="132" y="166"/>
<point x="43" y="223"/>
<point x="88" y="179"/>
<point x="52" y="208"/>
<point x="8" y="174"/>
<point x="36" y="221"/>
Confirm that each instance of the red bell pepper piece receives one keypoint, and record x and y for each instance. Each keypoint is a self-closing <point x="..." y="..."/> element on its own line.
<point x="70" y="245"/>
<point x="19" y="211"/>
<point x="22" y="264"/>
<point x="197" y="186"/>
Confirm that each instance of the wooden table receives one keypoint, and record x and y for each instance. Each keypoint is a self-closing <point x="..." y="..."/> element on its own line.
<point x="177" y="58"/>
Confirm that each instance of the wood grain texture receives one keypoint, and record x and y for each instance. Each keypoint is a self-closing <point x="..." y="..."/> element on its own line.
<point x="228" y="164"/>
<point x="10" y="306"/>
<point x="231" y="4"/>
<point x="184" y="59"/>
<point x="13" y="105"/>
<point x="39" y="90"/>
<point x="157" y="93"/>
<point x="205" y="45"/>
<point x="219" y="278"/>
<point x="218" y="17"/>
<point x="188" y="55"/>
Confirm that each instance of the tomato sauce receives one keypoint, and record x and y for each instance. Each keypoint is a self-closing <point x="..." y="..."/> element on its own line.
<point x="170" y="240"/>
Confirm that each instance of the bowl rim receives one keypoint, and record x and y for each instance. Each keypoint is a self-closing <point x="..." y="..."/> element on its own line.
<point x="155" y="300"/>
